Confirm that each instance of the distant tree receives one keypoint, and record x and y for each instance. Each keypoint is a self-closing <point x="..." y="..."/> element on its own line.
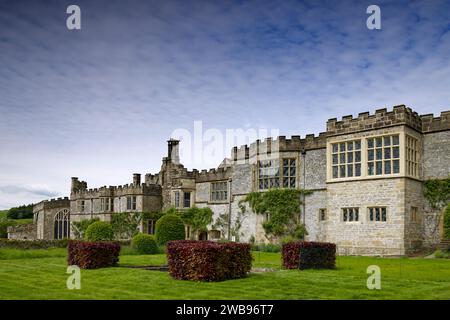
<point x="21" y="212"/>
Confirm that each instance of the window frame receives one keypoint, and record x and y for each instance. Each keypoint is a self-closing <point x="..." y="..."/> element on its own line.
<point x="347" y="220"/>
<point x="277" y="181"/>
<point x="187" y="199"/>
<point x="380" y="208"/>
<point x="323" y="215"/>
<point x="345" y="163"/>
<point x="218" y="195"/>
<point x="383" y="160"/>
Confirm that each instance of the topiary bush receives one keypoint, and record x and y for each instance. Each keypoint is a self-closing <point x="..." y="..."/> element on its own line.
<point x="144" y="244"/>
<point x="169" y="227"/>
<point x="309" y="255"/>
<point x="93" y="255"/>
<point x="207" y="260"/>
<point x="99" y="231"/>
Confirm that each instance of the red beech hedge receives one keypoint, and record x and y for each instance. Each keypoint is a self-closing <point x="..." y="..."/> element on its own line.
<point x="309" y="255"/>
<point x="93" y="255"/>
<point x="208" y="261"/>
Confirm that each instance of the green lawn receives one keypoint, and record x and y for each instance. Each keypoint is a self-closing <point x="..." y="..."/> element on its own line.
<point x="40" y="274"/>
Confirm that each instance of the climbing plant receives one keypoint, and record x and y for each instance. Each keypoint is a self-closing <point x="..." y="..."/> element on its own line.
<point x="447" y="222"/>
<point x="282" y="208"/>
<point x="197" y="218"/>
<point x="223" y="223"/>
<point x="437" y="192"/>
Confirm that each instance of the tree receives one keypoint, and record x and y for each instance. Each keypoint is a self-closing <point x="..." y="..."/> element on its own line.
<point x="125" y="225"/>
<point x="21" y="212"/>
<point x="198" y="219"/>
<point x="281" y="207"/>
<point x="80" y="227"/>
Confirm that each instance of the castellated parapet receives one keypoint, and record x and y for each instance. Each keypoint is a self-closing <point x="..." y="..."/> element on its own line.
<point x="118" y="191"/>
<point x="51" y="204"/>
<point x="400" y="115"/>
<point x="213" y="174"/>
<point x="280" y="144"/>
<point x="435" y="124"/>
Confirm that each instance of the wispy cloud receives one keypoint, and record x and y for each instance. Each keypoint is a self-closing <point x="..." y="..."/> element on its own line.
<point x="99" y="103"/>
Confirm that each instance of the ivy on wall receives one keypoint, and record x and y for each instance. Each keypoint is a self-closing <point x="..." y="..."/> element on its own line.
<point x="282" y="207"/>
<point x="437" y="192"/>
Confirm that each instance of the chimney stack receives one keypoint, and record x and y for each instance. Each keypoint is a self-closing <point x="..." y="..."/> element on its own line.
<point x="136" y="179"/>
<point x="173" y="151"/>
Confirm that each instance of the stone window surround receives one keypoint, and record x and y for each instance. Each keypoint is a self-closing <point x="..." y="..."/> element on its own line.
<point x="414" y="214"/>
<point x="374" y="220"/>
<point x="342" y="211"/>
<point x="211" y="200"/>
<point x="131" y="203"/>
<point x="106" y="204"/>
<point x="279" y="157"/>
<point x="181" y="193"/>
<point x="323" y="215"/>
<point x="402" y="131"/>
<point x="345" y="162"/>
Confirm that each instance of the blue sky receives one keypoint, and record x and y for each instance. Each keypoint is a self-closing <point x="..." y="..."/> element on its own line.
<point x="100" y="103"/>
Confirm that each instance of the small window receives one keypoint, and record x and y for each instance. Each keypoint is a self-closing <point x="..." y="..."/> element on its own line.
<point x="151" y="227"/>
<point x="81" y="206"/>
<point x="415" y="214"/>
<point x="289" y="173"/>
<point x="350" y="214"/>
<point x="187" y="199"/>
<point x="177" y="199"/>
<point x="131" y="203"/>
<point x="322" y="214"/>
<point x="377" y="214"/>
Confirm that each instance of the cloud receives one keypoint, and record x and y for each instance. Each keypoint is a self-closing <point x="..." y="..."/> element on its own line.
<point x="37" y="190"/>
<point x="100" y="103"/>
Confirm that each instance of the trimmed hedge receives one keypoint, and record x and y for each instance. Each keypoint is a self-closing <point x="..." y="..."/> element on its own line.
<point x="144" y="243"/>
<point x="208" y="261"/>
<point x="93" y="255"/>
<point x="309" y="255"/>
<point x="169" y="227"/>
<point x="33" y="244"/>
<point x="99" y="231"/>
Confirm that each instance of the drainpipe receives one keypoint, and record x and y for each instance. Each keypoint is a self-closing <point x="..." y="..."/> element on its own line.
<point x="229" y="210"/>
<point x="304" y="188"/>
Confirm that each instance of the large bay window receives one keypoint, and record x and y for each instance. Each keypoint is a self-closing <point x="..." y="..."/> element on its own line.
<point x="270" y="175"/>
<point x="412" y="156"/>
<point x="383" y="155"/>
<point x="346" y="159"/>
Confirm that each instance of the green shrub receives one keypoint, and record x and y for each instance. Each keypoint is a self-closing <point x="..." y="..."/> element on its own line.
<point x="169" y="227"/>
<point x="4" y="224"/>
<point x="79" y="227"/>
<point x="439" y="254"/>
<point x="144" y="243"/>
<point x="447" y="222"/>
<point x="99" y="231"/>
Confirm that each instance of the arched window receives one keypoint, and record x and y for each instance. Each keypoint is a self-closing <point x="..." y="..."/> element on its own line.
<point x="62" y="225"/>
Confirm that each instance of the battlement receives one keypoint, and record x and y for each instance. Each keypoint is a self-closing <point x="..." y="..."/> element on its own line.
<point x="51" y="204"/>
<point x="280" y="144"/>
<point x="117" y="191"/>
<point x="435" y="124"/>
<point x="213" y="174"/>
<point x="400" y="115"/>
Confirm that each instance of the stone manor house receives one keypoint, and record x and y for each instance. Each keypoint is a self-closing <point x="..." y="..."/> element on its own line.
<point x="366" y="176"/>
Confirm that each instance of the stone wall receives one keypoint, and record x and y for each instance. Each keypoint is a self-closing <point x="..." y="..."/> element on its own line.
<point x="22" y="232"/>
<point x="313" y="202"/>
<point x="436" y="155"/>
<point x="365" y="237"/>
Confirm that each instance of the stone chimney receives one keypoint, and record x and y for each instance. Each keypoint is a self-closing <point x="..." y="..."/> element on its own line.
<point x="173" y="151"/>
<point x="136" y="179"/>
<point x="74" y="184"/>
